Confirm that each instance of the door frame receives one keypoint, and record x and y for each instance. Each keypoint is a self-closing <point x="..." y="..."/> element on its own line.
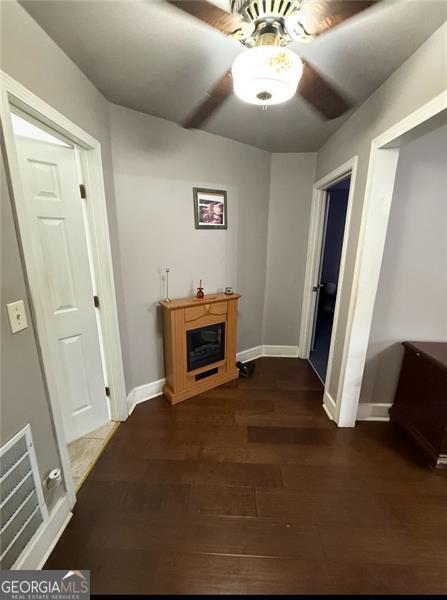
<point x="13" y="94"/>
<point x="382" y="166"/>
<point x="314" y="251"/>
<point x="379" y="189"/>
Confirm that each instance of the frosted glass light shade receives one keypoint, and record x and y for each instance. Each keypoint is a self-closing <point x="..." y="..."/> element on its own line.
<point x="266" y="75"/>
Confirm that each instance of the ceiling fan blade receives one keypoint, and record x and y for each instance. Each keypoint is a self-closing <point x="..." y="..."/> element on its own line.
<point x="318" y="92"/>
<point x="209" y="13"/>
<point x="215" y="98"/>
<point x="318" y="16"/>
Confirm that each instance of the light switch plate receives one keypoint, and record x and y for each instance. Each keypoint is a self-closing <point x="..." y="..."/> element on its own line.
<point x="17" y="316"/>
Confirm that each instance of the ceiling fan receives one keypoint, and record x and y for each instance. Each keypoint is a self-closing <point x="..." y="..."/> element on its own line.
<point x="268" y="72"/>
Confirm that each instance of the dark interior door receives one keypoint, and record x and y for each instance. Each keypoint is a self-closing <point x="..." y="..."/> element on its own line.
<point x="326" y="290"/>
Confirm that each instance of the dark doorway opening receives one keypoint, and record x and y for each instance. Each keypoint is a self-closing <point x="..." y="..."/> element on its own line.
<point x="327" y="287"/>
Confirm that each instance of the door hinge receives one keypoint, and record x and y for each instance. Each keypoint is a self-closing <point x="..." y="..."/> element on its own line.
<point x="82" y="191"/>
<point x="96" y="301"/>
<point x="107" y="391"/>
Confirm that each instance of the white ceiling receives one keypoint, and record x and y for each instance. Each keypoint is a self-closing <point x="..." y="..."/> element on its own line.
<point x="149" y="56"/>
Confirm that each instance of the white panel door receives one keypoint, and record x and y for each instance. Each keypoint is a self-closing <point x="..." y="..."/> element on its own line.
<point x="56" y="224"/>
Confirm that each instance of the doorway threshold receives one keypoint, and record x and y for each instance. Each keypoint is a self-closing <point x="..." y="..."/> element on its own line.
<point x="85" y="452"/>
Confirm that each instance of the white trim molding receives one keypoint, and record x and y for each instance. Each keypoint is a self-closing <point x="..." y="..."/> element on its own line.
<point x="144" y="392"/>
<point x="316" y="232"/>
<point x="267" y="350"/>
<point x="147" y="391"/>
<point x="329" y="406"/>
<point x="40" y="548"/>
<point x="369" y="411"/>
<point x="384" y="154"/>
<point x="250" y="354"/>
<point x="284" y="351"/>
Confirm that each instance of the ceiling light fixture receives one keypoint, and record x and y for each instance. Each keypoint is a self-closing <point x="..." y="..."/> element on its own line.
<point x="266" y="75"/>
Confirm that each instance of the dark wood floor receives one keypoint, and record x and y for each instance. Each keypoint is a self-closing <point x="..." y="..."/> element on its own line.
<point x="250" y="489"/>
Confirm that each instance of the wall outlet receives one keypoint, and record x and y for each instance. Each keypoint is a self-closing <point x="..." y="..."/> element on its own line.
<point x="17" y="316"/>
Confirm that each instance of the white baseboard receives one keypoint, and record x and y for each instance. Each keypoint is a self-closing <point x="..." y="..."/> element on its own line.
<point x="366" y="411"/>
<point x="329" y="406"/>
<point x="155" y="388"/>
<point x="144" y="392"/>
<point x="37" y="552"/>
<point x="250" y="354"/>
<point x="260" y="351"/>
<point x="284" y="351"/>
<point x="373" y="412"/>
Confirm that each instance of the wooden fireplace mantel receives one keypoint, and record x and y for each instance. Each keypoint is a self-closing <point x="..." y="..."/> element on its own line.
<point x="193" y="301"/>
<point x="183" y="315"/>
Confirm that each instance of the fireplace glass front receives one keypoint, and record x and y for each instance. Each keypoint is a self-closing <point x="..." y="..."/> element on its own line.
<point x="205" y="345"/>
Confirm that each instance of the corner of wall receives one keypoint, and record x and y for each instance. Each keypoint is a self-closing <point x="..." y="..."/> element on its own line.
<point x="292" y="278"/>
<point x="266" y="255"/>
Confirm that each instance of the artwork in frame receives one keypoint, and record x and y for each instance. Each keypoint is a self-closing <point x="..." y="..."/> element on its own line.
<point x="210" y="209"/>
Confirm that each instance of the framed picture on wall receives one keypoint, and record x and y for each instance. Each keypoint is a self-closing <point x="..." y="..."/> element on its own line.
<point x="210" y="208"/>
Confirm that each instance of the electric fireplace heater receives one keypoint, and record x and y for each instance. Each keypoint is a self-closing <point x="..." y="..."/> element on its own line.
<point x="200" y="336"/>
<point x="205" y="345"/>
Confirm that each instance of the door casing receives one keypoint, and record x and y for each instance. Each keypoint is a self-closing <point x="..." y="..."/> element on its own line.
<point x="13" y="94"/>
<point x="383" y="158"/>
<point x="314" y="252"/>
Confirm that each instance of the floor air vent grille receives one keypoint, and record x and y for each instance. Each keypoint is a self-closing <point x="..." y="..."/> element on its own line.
<point x="22" y="505"/>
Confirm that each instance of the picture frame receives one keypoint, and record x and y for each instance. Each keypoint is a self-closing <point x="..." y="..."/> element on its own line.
<point x="210" y="209"/>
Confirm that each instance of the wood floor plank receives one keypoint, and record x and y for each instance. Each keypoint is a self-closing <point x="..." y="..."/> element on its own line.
<point x="222" y="500"/>
<point x="144" y="448"/>
<point x="327" y="507"/>
<point x="386" y="545"/>
<point x="206" y="534"/>
<point x="289" y="435"/>
<point x="156" y="497"/>
<point x="427" y="509"/>
<point x="131" y="496"/>
<point x="341" y="479"/>
<point x="250" y="489"/>
<point x="102" y="495"/>
<point x="299" y="402"/>
<point x="170" y="573"/>
<point x="212" y="473"/>
<point x="274" y="419"/>
<point x="370" y="578"/>
<point x="431" y="579"/>
<point x="281" y="454"/>
<point x="180" y="433"/>
<point x="119" y="469"/>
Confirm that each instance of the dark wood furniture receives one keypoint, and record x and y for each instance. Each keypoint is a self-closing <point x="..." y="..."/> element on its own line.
<point x="420" y="406"/>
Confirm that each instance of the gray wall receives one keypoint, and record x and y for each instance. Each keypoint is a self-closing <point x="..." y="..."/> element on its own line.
<point x="411" y="302"/>
<point x="31" y="57"/>
<point x="23" y="393"/>
<point x="156" y="165"/>
<point x="418" y="80"/>
<point x="291" y="180"/>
